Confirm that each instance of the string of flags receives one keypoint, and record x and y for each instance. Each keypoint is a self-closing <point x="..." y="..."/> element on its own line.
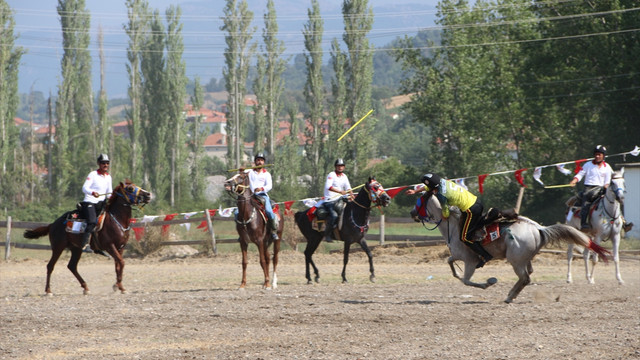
<point x="392" y="192"/>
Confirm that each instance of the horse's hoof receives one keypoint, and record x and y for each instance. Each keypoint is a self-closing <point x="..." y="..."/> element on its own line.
<point x="86" y="292"/>
<point x="372" y="278"/>
<point x="241" y="289"/>
<point x="317" y="279"/>
<point x="508" y="301"/>
<point x="492" y="281"/>
<point x="123" y="291"/>
<point x="309" y="282"/>
<point x="49" y="294"/>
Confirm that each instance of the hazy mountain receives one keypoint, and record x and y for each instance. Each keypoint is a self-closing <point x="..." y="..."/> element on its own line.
<point x="38" y="28"/>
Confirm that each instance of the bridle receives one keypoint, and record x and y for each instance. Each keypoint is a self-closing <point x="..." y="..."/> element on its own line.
<point x="374" y="192"/>
<point x="618" y="191"/>
<point x="237" y="190"/>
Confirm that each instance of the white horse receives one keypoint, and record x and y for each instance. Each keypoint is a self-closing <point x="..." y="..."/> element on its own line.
<point x="518" y="243"/>
<point x="606" y="223"/>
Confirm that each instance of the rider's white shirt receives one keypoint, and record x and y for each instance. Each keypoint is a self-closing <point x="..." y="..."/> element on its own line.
<point x="260" y="179"/>
<point x="98" y="183"/>
<point x="595" y="175"/>
<point x="340" y="182"/>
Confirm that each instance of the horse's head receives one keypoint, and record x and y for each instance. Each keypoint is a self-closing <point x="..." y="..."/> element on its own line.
<point x="617" y="185"/>
<point x="238" y="185"/>
<point x="376" y="192"/>
<point x="427" y="209"/>
<point x="132" y="194"/>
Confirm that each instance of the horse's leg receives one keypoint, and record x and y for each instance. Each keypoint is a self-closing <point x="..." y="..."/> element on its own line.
<point x="469" y="269"/>
<point x="523" y="280"/>
<point x="118" y="261"/>
<point x="73" y="267"/>
<point x="245" y="261"/>
<point x="365" y="247"/>
<point x="451" y="261"/>
<point x="569" y="260"/>
<point x="312" y="245"/>
<point x="264" y="262"/>
<point x="55" y="255"/>
<point x="615" y="242"/>
<point x="345" y="260"/>
<point x="276" y="249"/>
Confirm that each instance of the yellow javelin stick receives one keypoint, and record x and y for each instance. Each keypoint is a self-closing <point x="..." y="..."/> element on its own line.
<point x="354" y="125"/>
<point x="251" y="167"/>
<point x="557" y="186"/>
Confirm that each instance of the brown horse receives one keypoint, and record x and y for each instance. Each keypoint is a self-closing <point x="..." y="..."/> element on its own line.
<point x="251" y="225"/>
<point x="112" y="237"/>
<point x="355" y="226"/>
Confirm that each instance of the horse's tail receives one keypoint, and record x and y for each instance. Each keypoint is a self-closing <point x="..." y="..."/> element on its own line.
<point x="562" y="232"/>
<point x="37" y="232"/>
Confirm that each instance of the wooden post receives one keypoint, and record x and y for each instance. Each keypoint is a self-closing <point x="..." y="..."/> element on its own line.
<point x="7" y="244"/>
<point x="211" y="232"/>
<point x="381" y="229"/>
<point x="519" y="201"/>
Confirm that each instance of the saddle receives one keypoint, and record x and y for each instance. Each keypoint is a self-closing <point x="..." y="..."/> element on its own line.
<point x="574" y="206"/>
<point x="258" y="203"/>
<point x="489" y="228"/>
<point x="75" y="224"/>
<point x="318" y="215"/>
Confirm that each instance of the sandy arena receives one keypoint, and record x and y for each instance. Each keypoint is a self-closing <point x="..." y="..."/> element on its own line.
<point x="191" y="308"/>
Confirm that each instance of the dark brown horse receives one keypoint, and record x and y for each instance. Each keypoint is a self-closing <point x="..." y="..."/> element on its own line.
<point x="111" y="237"/>
<point x="355" y="225"/>
<point x="251" y="225"/>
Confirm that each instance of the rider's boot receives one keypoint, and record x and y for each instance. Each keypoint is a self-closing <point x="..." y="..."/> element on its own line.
<point x="274" y="228"/>
<point x="484" y="254"/>
<point x="584" y="214"/>
<point x="627" y="226"/>
<point x="86" y="238"/>
<point x="327" y="231"/>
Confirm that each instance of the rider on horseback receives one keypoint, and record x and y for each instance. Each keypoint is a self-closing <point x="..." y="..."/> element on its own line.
<point x="337" y="182"/>
<point x="95" y="188"/>
<point x="451" y="194"/>
<point x="261" y="184"/>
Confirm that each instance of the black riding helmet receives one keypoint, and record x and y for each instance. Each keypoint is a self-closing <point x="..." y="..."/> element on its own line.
<point x="103" y="158"/>
<point x="259" y="156"/>
<point x="339" y="161"/>
<point x="432" y="181"/>
<point x="600" y="149"/>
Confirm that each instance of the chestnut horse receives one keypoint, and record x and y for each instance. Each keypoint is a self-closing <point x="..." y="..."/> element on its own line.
<point x="251" y="225"/>
<point x="355" y="225"/>
<point x="112" y="237"/>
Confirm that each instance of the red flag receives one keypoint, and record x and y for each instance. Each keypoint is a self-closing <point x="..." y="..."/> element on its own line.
<point x="392" y="192"/>
<point x="213" y="212"/>
<point x="481" y="181"/>
<point x="139" y="231"/>
<point x="276" y="209"/>
<point x="203" y="224"/>
<point x="287" y="204"/>
<point x="579" y="165"/>
<point x="165" y="228"/>
<point x="518" y="176"/>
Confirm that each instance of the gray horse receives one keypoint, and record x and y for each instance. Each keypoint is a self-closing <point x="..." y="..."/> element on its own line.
<point x="606" y="223"/>
<point x="518" y="243"/>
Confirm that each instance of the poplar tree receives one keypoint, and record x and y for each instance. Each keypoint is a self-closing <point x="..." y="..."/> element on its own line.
<point x="314" y="94"/>
<point x="10" y="56"/>
<point x="102" y="99"/>
<point x="237" y="24"/>
<point x="197" y="150"/>
<point x="75" y="136"/>
<point x="358" y="20"/>
<point x="176" y="95"/>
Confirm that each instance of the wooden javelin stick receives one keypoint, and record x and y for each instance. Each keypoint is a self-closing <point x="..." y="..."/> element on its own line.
<point x="354" y="125"/>
<point x="251" y="167"/>
<point x="557" y="186"/>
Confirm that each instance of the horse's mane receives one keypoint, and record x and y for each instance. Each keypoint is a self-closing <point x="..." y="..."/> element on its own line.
<point x="112" y="198"/>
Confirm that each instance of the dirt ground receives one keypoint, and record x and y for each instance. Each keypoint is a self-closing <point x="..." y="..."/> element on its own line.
<point x="191" y="308"/>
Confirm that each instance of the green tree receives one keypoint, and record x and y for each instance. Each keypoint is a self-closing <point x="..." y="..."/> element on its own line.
<point x="176" y="95"/>
<point x="314" y="94"/>
<point x="337" y="119"/>
<point x="237" y="24"/>
<point x="103" y="102"/>
<point x="75" y="136"/>
<point x="197" y="149"/>
<point x="10" y="56"/>
<point x="358" y="20"/>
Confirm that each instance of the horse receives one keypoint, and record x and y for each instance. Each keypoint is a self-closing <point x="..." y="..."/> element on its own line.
<point x="355" y="220"/>
<point x="251" y="225"/>
<point x="518" y="242"/>
<point x="606" y="223"/>
<point x="111" y="237"/>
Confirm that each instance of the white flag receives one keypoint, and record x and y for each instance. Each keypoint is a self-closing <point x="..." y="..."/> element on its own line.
<point x="636" y="151"/>
<point x="227" y="212"/>
<point x="461" y="183"/>
<point x="564" y="171"/>
<point x="148" y="218"/>
<point x="310" y="202"/>
<point x="537" y="173"/>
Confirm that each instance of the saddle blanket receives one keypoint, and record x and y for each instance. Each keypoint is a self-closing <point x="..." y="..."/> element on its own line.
<point x="492" y="233"/>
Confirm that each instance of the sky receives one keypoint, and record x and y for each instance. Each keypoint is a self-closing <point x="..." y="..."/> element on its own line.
<point x="38" y="31"/>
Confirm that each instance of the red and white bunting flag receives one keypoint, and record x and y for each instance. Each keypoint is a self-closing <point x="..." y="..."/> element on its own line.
<point x="481" y="182"/>
<point x="537" y="173"/>
<point x="564" y="171"/>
